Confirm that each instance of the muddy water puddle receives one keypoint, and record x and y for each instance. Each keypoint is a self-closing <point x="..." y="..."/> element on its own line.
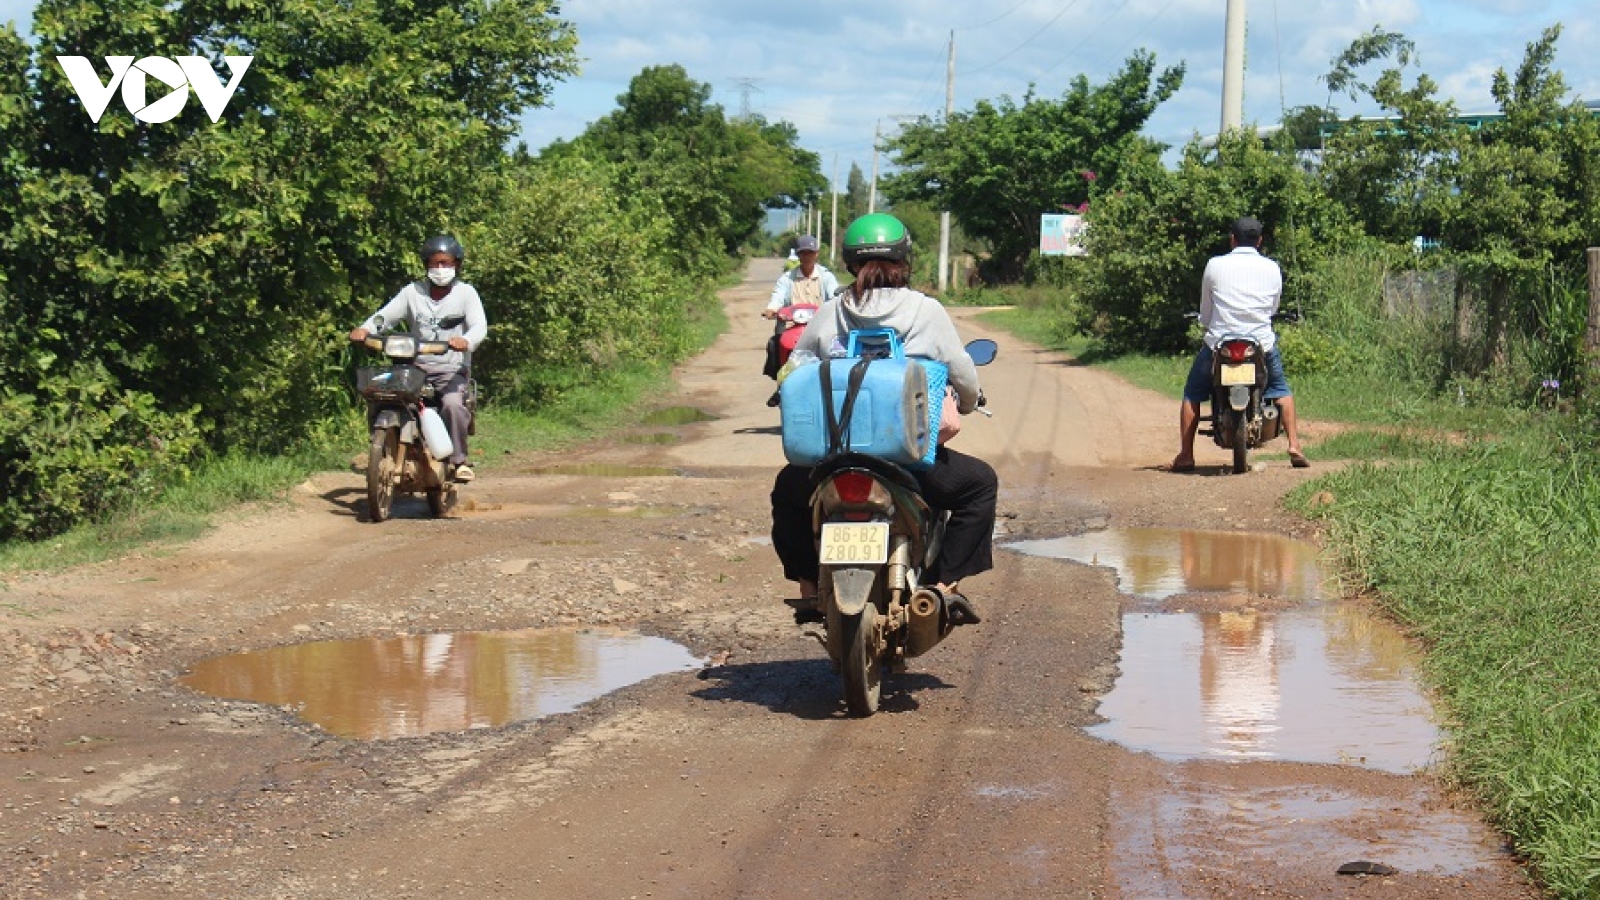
<point x="605" y="470"/>
<point x="1303" y="678"/>
<point x="410" y="685"/>
<point x="677" y="415"/>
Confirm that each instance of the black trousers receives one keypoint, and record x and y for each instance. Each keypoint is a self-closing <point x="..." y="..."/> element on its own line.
<point x="966" y="486"/>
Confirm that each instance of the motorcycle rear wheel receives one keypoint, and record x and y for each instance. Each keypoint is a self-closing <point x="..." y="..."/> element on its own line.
<point x="439" y="501"/>
<point x="380" y="473"/>
<point x="1241" y="443"/>
<point x="862" y="670"/>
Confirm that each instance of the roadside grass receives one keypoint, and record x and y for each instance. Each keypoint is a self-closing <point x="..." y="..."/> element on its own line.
<point x="186" y="509"/>
<point x="1489" y="552"/>
<point x="1477" y="527"/>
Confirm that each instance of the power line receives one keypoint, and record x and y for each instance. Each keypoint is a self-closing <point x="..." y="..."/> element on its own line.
<point x="1013" y="50"/>
<point x="1090" y="36"/>
<point x="997" y="18"/>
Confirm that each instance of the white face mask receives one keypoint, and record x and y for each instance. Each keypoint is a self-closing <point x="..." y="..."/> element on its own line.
<point x="442" y="276"/>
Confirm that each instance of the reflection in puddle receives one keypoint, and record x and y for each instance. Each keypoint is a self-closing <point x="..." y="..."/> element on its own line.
<point x="678" y="415"/>
<point x="377" y="688"/>
<point x="1322" y="683"/>
<point x="1157" y="563"/>
<point x="653" y="437"/>
<point x="604" y="470"/>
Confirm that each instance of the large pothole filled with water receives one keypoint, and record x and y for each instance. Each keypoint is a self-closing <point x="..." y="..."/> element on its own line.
<point x="1261" y="666"/>
<point x="415" y="684"/>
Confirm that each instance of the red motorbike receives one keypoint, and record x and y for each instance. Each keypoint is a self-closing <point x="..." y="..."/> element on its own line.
<point x="789" y="323"/>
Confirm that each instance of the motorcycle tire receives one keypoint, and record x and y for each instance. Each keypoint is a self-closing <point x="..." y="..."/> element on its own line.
<point x="1241" y="443"/>
<point x="440" y="500"/>
<point x="380" y="473"/>
<point x="862" y="670"/>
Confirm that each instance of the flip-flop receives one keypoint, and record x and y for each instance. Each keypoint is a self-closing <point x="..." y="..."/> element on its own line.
<point x="960" y="609"/>
<point x="1187" y="467"/>
<point x="1298" y="460"/>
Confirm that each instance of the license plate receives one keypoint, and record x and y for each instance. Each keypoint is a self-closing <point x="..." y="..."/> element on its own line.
<point x="1232" y="375"/>
<point x="854" y="543"/>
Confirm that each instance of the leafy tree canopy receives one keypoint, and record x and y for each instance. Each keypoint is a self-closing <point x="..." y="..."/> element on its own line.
<point x="999" y="166"/>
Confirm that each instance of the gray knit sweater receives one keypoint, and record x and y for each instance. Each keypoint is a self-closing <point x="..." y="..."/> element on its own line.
<point x="924" y="327"/>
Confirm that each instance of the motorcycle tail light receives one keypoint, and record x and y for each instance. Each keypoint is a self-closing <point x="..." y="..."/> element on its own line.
<point x="853" y="487"/>
<point x="1236" y="351"/>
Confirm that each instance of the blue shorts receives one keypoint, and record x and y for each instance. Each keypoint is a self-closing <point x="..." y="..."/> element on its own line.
<point x="1198" y="388"/>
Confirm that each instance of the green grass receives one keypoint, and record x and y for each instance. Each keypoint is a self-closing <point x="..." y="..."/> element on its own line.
<point x="185" y="510"/>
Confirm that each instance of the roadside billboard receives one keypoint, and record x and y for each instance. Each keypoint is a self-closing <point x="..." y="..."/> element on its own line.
<point x="1061" y="234"/>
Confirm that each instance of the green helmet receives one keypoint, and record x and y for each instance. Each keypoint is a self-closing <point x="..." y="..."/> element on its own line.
<point x="876" y="236"/>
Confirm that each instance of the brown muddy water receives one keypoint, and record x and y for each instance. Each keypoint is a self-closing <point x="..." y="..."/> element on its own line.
<point x="677" y="415"/>
<point x="605" y="470"/>
<point x="1308" y="678"/>
<point x="415" y="684"/>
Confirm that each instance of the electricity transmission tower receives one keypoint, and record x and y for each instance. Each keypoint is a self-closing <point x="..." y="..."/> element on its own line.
<point x="747" y="86"/>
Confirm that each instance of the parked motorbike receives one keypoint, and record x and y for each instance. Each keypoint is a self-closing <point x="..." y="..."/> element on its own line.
<point x="876" y="536"/>
<point x="409" y="441"/>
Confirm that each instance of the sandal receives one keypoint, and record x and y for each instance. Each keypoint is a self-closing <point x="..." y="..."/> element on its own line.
<point x="806" y="610"/>
<point x="1298" y="460"/>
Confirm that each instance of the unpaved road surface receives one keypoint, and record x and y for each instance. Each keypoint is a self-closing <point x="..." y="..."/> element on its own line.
<point x="742" y="779"/>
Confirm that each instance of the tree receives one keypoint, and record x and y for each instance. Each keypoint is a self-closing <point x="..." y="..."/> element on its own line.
<point x="715" y="177"/>
<point x="1001" y="165"/>
<point x="856" y="198"/>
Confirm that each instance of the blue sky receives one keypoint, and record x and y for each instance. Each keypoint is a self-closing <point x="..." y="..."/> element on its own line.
<point x="837" y="73"/>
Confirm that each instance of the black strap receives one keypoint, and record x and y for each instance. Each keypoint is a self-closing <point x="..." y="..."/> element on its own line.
<point x="839" y="427"/>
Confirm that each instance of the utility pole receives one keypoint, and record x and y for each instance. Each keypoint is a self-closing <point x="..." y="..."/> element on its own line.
<point x="833" y="236"/>
<point x="944" y="215"/>
<point x="1233" y="69"/>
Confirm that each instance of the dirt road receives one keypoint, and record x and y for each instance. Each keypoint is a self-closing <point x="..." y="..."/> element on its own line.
<point x="739" y="779"/>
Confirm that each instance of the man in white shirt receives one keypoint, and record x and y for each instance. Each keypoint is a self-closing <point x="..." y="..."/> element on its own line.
<point x="1239" y="294"/>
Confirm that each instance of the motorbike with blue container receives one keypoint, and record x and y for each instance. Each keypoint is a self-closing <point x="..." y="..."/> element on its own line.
<point x="864" y="423"/>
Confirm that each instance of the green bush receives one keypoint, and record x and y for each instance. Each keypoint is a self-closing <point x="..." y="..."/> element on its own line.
<point x="80" y="448"/>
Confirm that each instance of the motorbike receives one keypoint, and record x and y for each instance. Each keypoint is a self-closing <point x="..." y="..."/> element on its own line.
<point x="409" y="441"/>
<point x="876" y="536"/>
<point x="789" y="322"/>
<point x="1241" y="419"/>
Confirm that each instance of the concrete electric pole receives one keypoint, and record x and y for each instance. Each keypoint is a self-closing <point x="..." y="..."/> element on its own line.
<point x="944" y="216"/>
<point x="1233" y="69"/>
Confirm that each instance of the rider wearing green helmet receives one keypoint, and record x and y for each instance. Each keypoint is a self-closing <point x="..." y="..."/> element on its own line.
<point x="877" y="251"/>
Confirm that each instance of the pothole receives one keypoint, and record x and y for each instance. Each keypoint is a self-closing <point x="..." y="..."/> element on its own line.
<point x="409" y="685"/>
<point x="677" y="415"/>
<point x="605" y="470"/>
<point x="1266" y="670"/>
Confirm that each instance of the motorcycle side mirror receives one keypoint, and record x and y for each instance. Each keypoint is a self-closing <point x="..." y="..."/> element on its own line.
<point x="982" y="351"/>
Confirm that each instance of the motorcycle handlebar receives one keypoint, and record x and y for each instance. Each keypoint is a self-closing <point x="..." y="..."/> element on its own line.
<point x="424" y="348"/>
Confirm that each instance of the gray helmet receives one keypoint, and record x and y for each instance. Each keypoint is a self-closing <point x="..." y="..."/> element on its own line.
<point x="442" y="243"/>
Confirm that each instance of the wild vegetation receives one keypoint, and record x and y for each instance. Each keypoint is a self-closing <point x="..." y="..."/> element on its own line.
<point x="178" y="293"/>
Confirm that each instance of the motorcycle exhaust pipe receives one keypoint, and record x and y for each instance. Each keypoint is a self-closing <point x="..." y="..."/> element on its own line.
<point x="928" y="622"/>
